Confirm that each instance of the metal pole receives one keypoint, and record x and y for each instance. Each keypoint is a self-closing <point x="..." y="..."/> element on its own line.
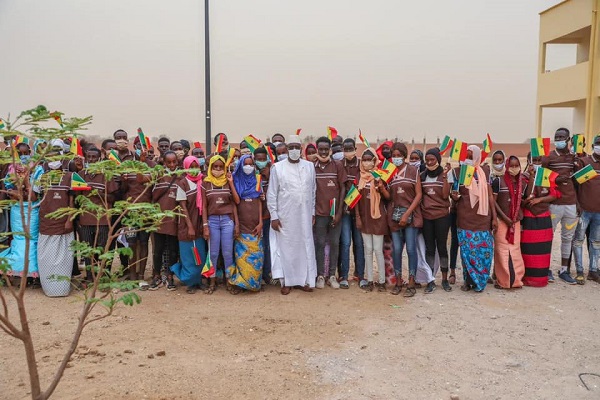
<point x="207" y="78"/>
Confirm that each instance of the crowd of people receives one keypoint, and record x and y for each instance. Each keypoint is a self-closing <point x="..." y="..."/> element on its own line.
<point x="295" y="216"/>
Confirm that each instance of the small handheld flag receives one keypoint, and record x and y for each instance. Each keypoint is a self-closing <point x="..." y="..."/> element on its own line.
<point x="331" y="132"/>
<point x="230" y="156"/>
<point x="2" y="124"/>
<point x="196" y="253"/>
<point x="57" y="118"/>
<point x="446" y="145"/>
<point x="219" y="147"/>
<point x="540" y="147"/>
<point x="144" y="140"/>
<point x="545" y="177"/>
<point x="387" y="171"/>
<point x="21" y="139"/>
<point x="114" y="156"/>
<point x="258" y="182"/>
<point x="578" y="144"/>
<point x="332" y="207"/>
<point x="253" y="142"/>
<point x="208" y="270"/>
<point x="459" y="151"/>
<point x="197" y="145"/>
<point x="585" y="174"/>
<point x="466" y="174"/>
<point x="487" y="147"/>
<point x="352" y="197"/>
<point x="362" y="139"/>
<point x="298" y="131"/>
<point x="376" y="173"/>
<point x="270" y="153"/>
<point x="78" y="183"/>
<point x="76" y="148"/>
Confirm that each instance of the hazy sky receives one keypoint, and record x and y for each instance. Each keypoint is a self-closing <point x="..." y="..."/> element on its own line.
<point x="394" y="68"/>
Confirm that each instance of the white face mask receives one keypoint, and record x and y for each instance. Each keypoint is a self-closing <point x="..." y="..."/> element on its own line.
<point x="248" y="169"/>
<point x="397" y="161"/>
<point x="277" y="143"/>
<point x="294" y="154"/>
<point x="597" y="150"/>
<point x="282" y="157"/>
<point x="415" y="163"/>
<point x="54" y="164"/>
<point x="498" y="167"/>
<point x="338" y="156"/>
<point x="469" y="162"/>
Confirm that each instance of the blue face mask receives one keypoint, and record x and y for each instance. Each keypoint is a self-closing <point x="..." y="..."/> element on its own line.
<point x="138" y="152"/>
<point x="561" y="144"/>
<point x="261" y="164"/>
<point x="201" y="161"/>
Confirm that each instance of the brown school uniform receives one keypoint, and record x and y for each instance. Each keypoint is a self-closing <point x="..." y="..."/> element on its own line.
<point x="500" y="188"/>
<point x="466" y="216"/>
<point x="403" y="191"/>
<point x="589" y="192"/>
<point x="219" y="199"/>
<point x="371" y="226"/>
<point x="564" y="165"/>
<point x="352" y="172"/>
<point x="264" y="184"/>
<point x="98" y="182"/>
<point x="55" y="197"/>
<point x="193" y="213"/>
<point x="165" y="194"/>
<point x="248" y="211"/>
<point x="433" y="203"/>
<point x="132" y="189"/>
<point x="330" y="178"/>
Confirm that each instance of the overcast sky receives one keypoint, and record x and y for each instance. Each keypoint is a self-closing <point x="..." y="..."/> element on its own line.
<point x="394" y="68"/>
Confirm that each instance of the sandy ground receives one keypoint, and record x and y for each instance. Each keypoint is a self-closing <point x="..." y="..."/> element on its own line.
<point x="330" y="344"/>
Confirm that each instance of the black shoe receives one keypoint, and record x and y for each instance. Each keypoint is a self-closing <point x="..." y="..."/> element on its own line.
<point x="155" y="284"/>
<point x="446" y="286"/>
<point x="430" y="287"/>
<point x="171" y="284"/>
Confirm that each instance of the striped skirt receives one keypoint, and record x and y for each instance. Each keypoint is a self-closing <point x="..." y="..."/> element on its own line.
<point x="536" y="247"/>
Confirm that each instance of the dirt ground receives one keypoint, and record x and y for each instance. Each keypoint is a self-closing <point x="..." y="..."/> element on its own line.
<point x="330" y="344"/>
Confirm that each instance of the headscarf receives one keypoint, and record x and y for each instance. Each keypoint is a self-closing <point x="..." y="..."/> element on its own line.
<point x="245" y="185"/>
<point x="436" y="172"/>
<point x="421" y="159"/>
<point x="367" y="177"/>
<point x="187" y="162"/>
<point x="478" y="189"/>
<point x="387" y="143"/>
<point x="310" y="145"/>
<point x="515" y="193"/>
<point x="219" y="182"/>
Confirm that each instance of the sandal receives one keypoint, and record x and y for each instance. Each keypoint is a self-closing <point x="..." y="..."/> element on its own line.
<point x="396" y="290"/>
<point x="363" y="284"/>
<point x="191" y="290"/>
<point x="465" y="287"/>
<point x="452" y="278"/>
<point x="498" y="286"/>
<point x="307" y="288"/>
<point x="410" y="291"/>
<point x="235" y="290"/>
<point x="286" y="290"/>
<point x="211" y="289"/>
<point x="381" y="288"/>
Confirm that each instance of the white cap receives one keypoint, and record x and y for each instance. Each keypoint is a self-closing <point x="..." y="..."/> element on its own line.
<point x="294" y="139"/>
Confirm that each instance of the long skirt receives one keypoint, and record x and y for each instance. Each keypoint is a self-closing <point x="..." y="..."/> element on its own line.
<point x="476" y="253"/>
<point x="189" y="270"/>
<point x="55" y="262"/>
<point x="246" y="272"/>
<point x="15" y="254"/>
<point x="425" y="273"/>
<point x="536" y="247"/>
<point x="508" y="261"/>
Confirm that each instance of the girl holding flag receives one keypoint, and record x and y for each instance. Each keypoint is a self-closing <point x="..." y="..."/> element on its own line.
<point x="476" y="219"/>
<point x="246" y="273"/>
<point x="192" y="246"/>
<point x="219" y="215"/>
